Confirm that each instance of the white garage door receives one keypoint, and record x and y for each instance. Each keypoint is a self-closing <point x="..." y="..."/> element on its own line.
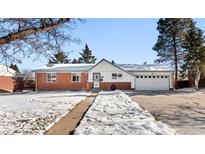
<point x="152" y="82"/>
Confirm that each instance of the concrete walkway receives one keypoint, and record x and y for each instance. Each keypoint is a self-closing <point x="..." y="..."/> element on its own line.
<point x="68" y="123"/>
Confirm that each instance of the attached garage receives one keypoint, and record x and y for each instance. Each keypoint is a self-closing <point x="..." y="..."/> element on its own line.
<point x="150" y="76"/>
<point x="152" y="82"/>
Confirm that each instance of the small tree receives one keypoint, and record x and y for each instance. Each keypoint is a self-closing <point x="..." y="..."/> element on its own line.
<point x="86" y="56"/>
<point x="60" y="58"/>
<point x="195" y="55"/>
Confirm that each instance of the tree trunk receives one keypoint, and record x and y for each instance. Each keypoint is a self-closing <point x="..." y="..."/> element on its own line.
<point x="197" y="78"/>
<point x="191" y="78"/>
<point x="175" y="63"/>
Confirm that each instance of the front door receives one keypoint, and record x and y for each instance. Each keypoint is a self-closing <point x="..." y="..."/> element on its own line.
<point x="96" y="80"/>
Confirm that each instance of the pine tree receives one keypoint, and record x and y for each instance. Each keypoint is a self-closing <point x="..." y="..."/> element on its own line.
<point x="59" y="58"/>
<point x="76" y="61"/>
<point x="195" y="55"/>
<point x="14" y="67"/>
<point x="170" y="40"/>
<point x="86" y="56"/>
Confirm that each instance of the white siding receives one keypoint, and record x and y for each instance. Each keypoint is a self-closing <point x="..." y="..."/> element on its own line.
<point x="6" y="71"/>
<point x="106" y="71"/>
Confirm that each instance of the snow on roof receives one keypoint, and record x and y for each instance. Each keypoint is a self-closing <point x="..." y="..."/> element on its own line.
<point x="6" y="71"/>
<point x="87" y="67"/>
<point x="144" y="67"/>
<point x="65" y="68"/>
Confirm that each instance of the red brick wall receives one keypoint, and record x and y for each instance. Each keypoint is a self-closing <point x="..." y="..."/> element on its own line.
<point x="6" y="83"/>
<point x="63" y="82"/>
<point x="90" y="86"/>
<point x="119" y="85"/>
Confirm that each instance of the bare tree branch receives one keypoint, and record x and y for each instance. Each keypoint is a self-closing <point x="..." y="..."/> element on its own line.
<point x="33" y="37"/>
<point x="28" y="31"/>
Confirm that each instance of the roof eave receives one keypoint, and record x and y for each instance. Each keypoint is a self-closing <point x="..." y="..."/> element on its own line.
<point x="150" y="71"/>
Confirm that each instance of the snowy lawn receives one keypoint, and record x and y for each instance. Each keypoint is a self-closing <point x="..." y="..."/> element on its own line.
<point x="115" y="113"/>
<point x="32" y="113"/>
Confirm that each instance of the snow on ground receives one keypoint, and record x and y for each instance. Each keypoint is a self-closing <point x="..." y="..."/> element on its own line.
<point x="32" y="113"/>
<point x="186" y="90"/>
<point x="114" y="113"/>
<point x="190" y="90"/>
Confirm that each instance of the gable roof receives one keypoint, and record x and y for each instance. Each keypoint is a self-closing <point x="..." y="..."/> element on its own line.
<point x="110" y="64"/>
<point x="6" y="71"/>
<point x="65" y="68"/>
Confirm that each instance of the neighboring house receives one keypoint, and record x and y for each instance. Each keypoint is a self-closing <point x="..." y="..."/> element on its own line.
<point x="102" y="75"/>
<point x="7" y="82"/>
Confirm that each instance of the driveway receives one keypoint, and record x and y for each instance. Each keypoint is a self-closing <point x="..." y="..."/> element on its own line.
<point x="183" y="111"/>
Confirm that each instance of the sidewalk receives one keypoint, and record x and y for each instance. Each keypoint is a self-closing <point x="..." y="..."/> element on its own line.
<point x="69" y="122"/>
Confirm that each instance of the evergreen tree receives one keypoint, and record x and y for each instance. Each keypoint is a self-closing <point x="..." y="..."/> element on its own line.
<point x="86" y="56"/>
<point x="14" y="67"/>
<point x="59" y="58"/>
<point x="75" y="61"/>
<point x="170" y="40"/>
<point x="195" y="54"/>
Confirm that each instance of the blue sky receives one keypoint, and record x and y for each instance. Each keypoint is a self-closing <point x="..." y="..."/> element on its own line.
<point x="121" y="40"/>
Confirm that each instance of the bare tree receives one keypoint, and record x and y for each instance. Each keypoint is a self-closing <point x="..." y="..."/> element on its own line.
<point x="26" y="37"/>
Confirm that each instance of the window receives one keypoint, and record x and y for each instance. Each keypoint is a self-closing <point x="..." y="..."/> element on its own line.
<point x="145" y="76"/>
<point x="153" y="76"/>
<point x="157" y="76"/>
<point x="51" y="77"/>
<point x="150" y="76"/>
<point x="137" y="76"/>
<point x="116" y="76"/>
<point x="166" y="76"/>
<point x="141" y="76"/>
<point x="119" y="76"/>
<point x="162" y="76"/>
<point x="75" y="77"/>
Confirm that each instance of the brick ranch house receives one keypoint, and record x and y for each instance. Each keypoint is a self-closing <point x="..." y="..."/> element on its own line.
<point x="7" y="81"/>
<point x="102" y="75"/>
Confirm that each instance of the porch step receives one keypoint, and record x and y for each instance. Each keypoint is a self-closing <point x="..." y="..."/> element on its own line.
<point x="96" y="90"/>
